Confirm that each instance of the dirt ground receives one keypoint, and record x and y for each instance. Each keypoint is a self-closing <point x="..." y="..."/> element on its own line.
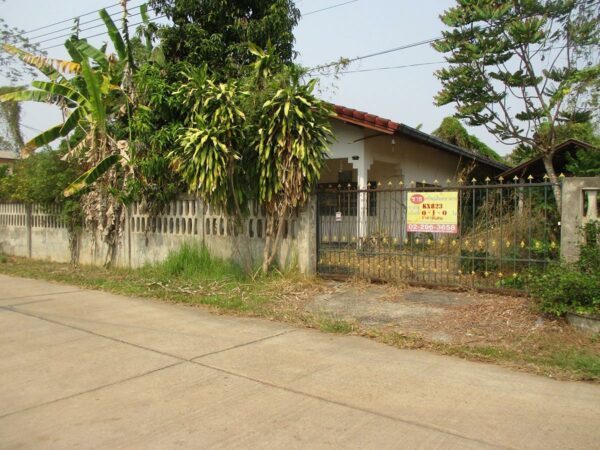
<point x="437" y="315"/>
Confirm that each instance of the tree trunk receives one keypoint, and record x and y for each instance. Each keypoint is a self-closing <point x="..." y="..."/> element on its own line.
<point x="272" y="245"/>
<point x="556" y="188"/>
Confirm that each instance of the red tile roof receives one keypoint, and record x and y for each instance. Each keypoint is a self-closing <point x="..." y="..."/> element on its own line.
<point x="388" y="126"/>
<point x="365" y="119"/>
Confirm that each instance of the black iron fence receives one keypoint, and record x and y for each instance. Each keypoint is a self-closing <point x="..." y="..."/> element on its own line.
<point x="476" y="235"/>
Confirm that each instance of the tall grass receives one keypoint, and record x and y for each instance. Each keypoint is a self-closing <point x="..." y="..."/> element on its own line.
<point x="193" y="261"/>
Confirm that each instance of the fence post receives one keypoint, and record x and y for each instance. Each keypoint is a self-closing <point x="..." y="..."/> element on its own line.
<point x="307" y="237"/>
<point x="28" y="226"/>
<point x="128" y="228"/>
<point x="575" y="192"/>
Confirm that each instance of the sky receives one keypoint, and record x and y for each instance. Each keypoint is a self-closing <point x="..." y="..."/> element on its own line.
<point x="354" y="28"/>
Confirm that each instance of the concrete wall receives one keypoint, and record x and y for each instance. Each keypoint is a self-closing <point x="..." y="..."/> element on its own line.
<point x="31" y="231"/>
<point x="580" y="198"/>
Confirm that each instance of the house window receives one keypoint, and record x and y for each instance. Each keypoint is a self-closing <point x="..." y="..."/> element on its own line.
<point x="345" y="200"/>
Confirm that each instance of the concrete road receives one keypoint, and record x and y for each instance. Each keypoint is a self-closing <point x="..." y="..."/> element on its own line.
<point x="86" y="369"/>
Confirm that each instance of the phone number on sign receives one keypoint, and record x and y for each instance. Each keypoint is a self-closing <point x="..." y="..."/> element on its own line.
<point x="433" y="228"/>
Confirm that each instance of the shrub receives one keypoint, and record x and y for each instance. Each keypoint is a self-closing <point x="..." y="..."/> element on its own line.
<point x="561" y="289"/>
<point x="589" y="251"/>
<point x="566" y="288"/>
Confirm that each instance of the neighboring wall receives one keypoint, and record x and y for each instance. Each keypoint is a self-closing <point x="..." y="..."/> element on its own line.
<point x="580" y="205"/>
<point x="37" y="233"/>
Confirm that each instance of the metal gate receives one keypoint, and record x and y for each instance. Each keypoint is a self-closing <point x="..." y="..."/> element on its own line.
<point x="504" y="233"/>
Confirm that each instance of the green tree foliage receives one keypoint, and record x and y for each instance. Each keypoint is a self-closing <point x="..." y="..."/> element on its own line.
<point x="586" y="162"/>
<point x="216" y="32"/>
<point x="453" y="132"/>
<point x="294" y="134"/>
<point x="267" y="147"/>
<point x="39" y="179"/>
<point x="516" y="65"/>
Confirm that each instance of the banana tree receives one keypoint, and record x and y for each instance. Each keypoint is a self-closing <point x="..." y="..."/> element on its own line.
<point x="89" y="92"/>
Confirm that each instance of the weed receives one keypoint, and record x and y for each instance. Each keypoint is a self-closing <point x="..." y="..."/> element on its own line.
<point x="193" y="261"/>
<point x="337" y="326"/>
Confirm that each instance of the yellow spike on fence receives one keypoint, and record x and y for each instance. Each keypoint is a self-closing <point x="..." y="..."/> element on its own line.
<point x="494" y="243"/>
<point x="562" y="176"/>
<point x="545" y="177"/>
<point x="436" y="182"/>
<point x="530" y="178"/>
<point x="514" y="275"/>
<point x="401" y="183"/>
<point x="395" y="241"/>
<point x="515" y="178"/>
<point x="416" y="240"/>
<point x="379" y="184"/>
<point x="553" y="245"/>
<point x="522" y="244"/>
<point x="487" y="180"/>
<point x="461" y="181"/>
<point x="501" y="179"/>
<point x="454" y="242"/>
<point x="460" y="272"/>
<point x="405" y="241"/>
<point x="389" y="183"/>
<point x="424" y="181"/>
<point x="507" y="244"/>
<point x="412" y="182"/>
<point x="448" y="181"/>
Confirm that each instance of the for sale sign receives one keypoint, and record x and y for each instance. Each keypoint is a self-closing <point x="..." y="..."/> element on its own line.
<point x="433" y="212"/>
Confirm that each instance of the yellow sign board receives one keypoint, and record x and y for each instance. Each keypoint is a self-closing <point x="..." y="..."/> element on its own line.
<point x="432" y="212"/>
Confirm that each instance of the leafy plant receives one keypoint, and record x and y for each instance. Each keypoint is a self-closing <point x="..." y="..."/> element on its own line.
<point x="589" y="250"/>
<point x="92" y="101"/>
<point x="563" y="288"/>
<point x="452" y="131"/>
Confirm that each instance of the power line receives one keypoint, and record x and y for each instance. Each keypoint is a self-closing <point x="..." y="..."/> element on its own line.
<point x="379" y="53"/>
<point x="393" y="67"/>
<point x="104" y="32"/>
<point x="70" y="19"/>
<point x="328" y="8"/>
<point x="81" y="23"/>
<point x="82" y="30"/>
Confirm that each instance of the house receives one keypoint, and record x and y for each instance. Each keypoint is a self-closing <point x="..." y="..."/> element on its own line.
<point x="8" y="158"/>
<point x="377" y="153"/>
<point x="535" y="166"/>
<point x="369" y="148"/>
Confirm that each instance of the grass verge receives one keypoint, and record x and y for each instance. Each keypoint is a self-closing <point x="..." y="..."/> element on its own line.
<point x="191" y="276"/>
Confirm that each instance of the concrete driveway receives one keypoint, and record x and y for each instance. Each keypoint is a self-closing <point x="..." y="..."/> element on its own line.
<point x="86" y="369"/>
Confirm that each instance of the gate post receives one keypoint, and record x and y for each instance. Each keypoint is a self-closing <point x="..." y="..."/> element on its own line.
<point x="575" y="192"/>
